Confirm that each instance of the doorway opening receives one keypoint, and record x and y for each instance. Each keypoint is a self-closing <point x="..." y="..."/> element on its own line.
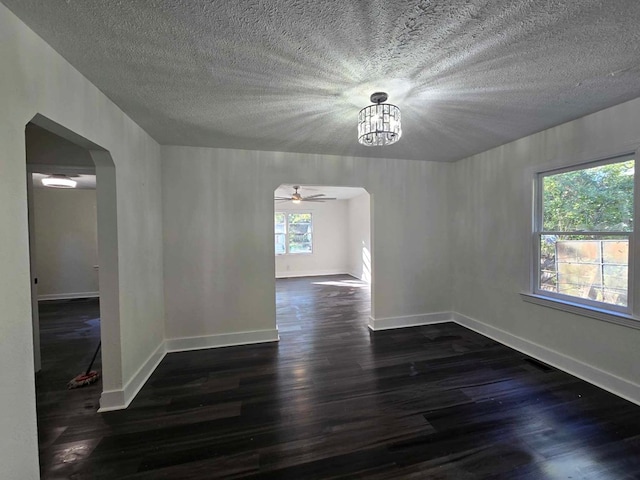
<point x="74" y="266"/>
<point x="323" y="261"/>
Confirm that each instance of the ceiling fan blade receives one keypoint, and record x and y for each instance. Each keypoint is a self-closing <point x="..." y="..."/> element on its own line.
<point x="318" y="199"/>
<point x="282" y="198"/>
<point x="315" y="196"/>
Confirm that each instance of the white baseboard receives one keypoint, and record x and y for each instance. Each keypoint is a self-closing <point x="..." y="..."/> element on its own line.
<point x="223" y="340"/>
<point x="607" y="381"/>
<point x="376" y="324"/>
<point x="316" y="273"/>
<point x="359" y="277"/>
<point x="111" y="400"/>
<point x="68" y="296"/>
<point x="120" y="399"/>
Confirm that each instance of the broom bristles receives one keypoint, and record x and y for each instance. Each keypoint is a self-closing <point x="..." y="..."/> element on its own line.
<point x="84" y="379"/>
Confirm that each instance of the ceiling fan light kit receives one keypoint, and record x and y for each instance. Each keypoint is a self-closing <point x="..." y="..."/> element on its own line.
<point x="379" y="124"/>
<point x="59" y="181"/>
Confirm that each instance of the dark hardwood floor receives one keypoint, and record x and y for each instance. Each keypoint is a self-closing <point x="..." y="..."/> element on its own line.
<point x="331" y="400"/>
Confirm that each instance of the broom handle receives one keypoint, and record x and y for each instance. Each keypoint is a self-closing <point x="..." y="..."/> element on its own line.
<point x="94" y="358"/>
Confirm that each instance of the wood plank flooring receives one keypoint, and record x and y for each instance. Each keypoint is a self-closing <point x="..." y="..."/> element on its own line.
<point x="331" y="400"/>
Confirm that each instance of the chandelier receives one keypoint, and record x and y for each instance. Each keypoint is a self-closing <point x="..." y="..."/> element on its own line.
<point x="379" y="124"/>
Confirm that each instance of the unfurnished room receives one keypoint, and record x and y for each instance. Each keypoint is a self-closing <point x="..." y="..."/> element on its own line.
<point x="313" y="239"/>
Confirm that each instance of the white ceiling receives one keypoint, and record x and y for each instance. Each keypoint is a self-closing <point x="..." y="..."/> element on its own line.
<point x="291" y="75"/>
<point x="341" y="193"/>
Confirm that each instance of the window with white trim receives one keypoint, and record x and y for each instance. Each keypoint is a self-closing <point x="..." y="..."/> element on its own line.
<point x="293" y="233"/>
<point x="583" y="227"/>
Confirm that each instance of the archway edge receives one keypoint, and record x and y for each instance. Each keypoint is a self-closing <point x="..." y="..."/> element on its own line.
<point x="312" y="182"/>
<point x="108" y="273"/>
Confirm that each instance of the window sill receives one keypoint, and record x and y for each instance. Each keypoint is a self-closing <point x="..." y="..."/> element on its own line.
<point x="587" y="311"/>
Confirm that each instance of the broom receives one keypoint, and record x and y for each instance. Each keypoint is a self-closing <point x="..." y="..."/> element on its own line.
<point x="88" y="377"/>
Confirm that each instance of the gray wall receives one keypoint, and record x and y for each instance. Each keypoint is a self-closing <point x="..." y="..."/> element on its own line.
<point x="46" y="148"/>
<point x="66" y="242"/>
<point x="35" y="79"/>
<point x="491" y="199"/>
<point x="219" y="269"/>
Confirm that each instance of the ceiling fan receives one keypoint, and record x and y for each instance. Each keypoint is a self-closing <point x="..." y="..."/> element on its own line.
<point x="297" y="198"/>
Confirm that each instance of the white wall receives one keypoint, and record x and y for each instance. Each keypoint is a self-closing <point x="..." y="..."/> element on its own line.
<point x="219" y="268"/>
<point x="35" y="79"/>
<point x="330" y="237"/>
<point x="491" y="231"/>
<point x="66" y="242"/>
<point x="359" y="241"/>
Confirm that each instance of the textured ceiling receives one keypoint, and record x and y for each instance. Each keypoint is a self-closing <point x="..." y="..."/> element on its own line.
<point x="291" y="75"/>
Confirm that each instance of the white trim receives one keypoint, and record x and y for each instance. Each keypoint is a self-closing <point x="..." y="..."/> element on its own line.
<point x="585" y="310"/>
<point x="630" y="313"/>
<point x="68" y="296"/>
<point x="316" y="273"/>
<point x="585" y="157"/>
<point x="358" y="277"/>
<point x="120" y="399"/>
<point x="222" y="340"/>
<point x="351" y="273"/>
<point x="377" y="324"/>
<point x="607" y="381"/>
<point x="112" y="400"/>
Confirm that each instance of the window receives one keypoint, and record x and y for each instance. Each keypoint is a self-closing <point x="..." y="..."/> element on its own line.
<point x="293" y="233"/>
<point x="583" y="226"/>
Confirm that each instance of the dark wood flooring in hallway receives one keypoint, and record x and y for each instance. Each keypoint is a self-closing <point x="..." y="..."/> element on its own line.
<point x="331" y="400"/>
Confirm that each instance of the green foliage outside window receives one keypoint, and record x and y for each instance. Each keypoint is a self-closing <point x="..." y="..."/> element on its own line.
<point x="592" y="199"/>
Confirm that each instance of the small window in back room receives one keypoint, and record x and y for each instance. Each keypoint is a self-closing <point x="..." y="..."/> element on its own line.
<point x="293" y="233"/>
<point x="583" y="224"/>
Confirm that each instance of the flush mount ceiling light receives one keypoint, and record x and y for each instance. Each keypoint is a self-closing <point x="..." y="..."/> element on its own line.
<point x="379" y="124"/>
<point x="58" y="181"/>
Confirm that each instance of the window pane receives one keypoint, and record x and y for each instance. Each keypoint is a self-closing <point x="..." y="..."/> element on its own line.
<point x="300" y="243"/>
<point x="280" y="244"/>
<point x="300" y="228"/>
<point x="279" y="218"/>
<point x="591" y="199"/>
<point x="299" y="218"/>
<point x="301" y="247"/>
<point x="592" y="267"/>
